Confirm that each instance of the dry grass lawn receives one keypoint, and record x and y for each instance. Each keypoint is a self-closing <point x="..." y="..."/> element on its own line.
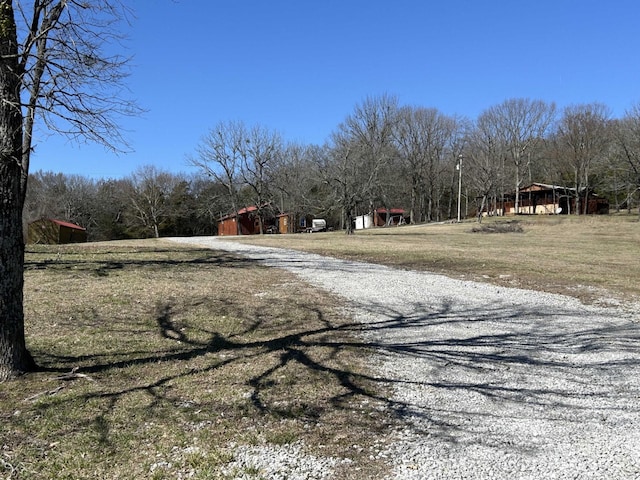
<point x="590" y="257"/>
<point x="157" y="358"/>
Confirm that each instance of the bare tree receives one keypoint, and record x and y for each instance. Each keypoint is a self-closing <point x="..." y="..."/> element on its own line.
<point x="45" y="196"/>
<point x="81" y="200"/>
<point x="53" y="68"/>
<point x="340" y="171"/>
<point x="112" y="201"/>
<point x="149" y="194"/>
<point x="582" y="139"/>
<point x="363" y="151"/>
<point x="296" y="181"/>
<point x="262" y="149"/>
<point x="425" y="139"/>
<point x="627" y="140"/>
<point x="66" y="197"/>
<point x="413" y="136"/>
<point x="483" y="158"/>
<point x="220" y="156"/>
<point x="522" y="124"/>
<point x="210" y="200"/>
<point x="237" y="156"/>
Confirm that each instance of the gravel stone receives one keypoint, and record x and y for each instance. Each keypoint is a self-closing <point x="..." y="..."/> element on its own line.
<point x="279" y="462"/>
<point x="490" y="382"/>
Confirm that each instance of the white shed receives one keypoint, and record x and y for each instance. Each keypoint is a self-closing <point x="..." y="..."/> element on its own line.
<point x="364" y="221"/>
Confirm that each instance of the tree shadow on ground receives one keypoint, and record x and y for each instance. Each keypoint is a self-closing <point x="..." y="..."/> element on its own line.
<point x="467" y="367"/>
<point x="102" y="262"/>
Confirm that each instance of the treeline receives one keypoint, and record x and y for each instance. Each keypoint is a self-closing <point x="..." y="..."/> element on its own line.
<point x="382" y="155"/>
<point x="148" y="203"/>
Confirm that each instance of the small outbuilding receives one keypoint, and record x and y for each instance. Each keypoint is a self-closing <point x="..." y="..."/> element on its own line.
<point x="245" y="221"/>
<point x="290" y="223"/>
<point x="541" y="198"/>
<point x="384" y="217"/>
<point x="381" y="217"/>
<point x="296" y="223"/>
<point x="363" y="221"/>
<point x="53" y="232"/>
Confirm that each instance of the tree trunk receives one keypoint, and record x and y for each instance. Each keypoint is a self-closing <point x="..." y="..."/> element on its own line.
<point x="482" y="204"/>
<point x="517" y="204"/>
<point x="348" y="218"/>
<point x="414" y="197"/>
<point x="577" y="192"/>
<point x="349" y="224"/>
<point x="14" y="357"/>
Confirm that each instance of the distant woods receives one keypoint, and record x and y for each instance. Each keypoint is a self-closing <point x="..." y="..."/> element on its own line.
<point x="383" y="155"/>
<point x="148" y="203"/>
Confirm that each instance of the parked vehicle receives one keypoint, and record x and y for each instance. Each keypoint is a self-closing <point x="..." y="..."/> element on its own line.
<point x="317" y="225"/>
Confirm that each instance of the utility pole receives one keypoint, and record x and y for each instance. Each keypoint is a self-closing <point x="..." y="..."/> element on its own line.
<point x="459" y="168"/>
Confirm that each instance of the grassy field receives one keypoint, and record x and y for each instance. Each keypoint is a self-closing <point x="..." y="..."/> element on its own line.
<point x="592" y="258"/>
<point x="157" y="358"/>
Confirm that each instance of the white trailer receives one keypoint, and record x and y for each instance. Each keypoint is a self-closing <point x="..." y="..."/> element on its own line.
<point x="318" y="225"/>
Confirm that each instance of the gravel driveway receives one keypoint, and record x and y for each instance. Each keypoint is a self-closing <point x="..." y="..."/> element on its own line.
<point x="493" y="383"/>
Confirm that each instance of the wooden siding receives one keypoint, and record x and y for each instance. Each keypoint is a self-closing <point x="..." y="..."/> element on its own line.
<point x="53" y="232"/>
<point x="244" y="222"/>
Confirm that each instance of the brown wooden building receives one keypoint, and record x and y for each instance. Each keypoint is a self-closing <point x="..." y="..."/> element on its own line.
<point x="540" y="199"/>
<point x="286" y="223"/>
<point x="51" y="231"/>
<point x="293" y="223"/>
<point x="383" y="217"/>
<point x="245" y="221"/>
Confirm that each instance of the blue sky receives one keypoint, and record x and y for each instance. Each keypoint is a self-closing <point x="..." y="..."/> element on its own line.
<point x="300" y="66"/>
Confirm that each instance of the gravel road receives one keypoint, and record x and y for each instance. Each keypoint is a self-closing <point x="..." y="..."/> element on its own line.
<point x="492" y="382"/>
